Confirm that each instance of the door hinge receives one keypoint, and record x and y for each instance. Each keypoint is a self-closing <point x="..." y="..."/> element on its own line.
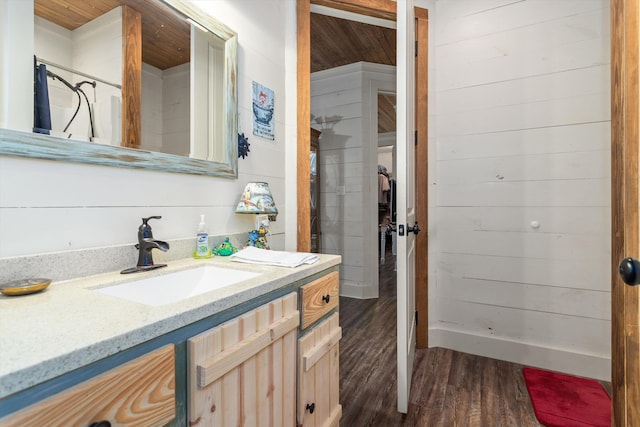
<point x="416" y="317"/>
<point x="415" y="137"/>
<point x="416" y="47"/>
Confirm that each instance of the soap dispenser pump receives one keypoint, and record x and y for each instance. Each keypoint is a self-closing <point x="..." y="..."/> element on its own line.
<point x="202" y="240"/>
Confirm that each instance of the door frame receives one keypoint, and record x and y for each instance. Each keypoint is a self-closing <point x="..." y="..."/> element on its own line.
<point x="625" y="219"/>
<point x="385" y="9"/>
<point x="422" y="178"/>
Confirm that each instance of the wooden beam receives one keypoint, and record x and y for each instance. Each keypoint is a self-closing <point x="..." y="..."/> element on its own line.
<point x="131" y="77"/>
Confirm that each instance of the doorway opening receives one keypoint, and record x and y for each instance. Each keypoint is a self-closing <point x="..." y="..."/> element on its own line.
<point x="352" y="104"/>
<point x="385" y="10"/>
<point x="387" y="218"/>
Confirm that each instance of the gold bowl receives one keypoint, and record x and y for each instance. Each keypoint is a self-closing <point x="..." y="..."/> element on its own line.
<point x="24" y="286"/>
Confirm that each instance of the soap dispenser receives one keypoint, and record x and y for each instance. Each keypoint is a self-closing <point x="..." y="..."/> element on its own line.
<point x="202" y="240"/>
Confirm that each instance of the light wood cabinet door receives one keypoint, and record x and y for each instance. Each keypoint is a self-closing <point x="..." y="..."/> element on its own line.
<point x="243" y="372"/>
<point x="319" y="298"/>
<point x="318" y="375"/>
<point x="138" y="393"/>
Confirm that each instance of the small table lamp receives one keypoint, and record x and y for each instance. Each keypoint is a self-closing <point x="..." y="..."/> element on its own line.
<point x="257" y="199"/>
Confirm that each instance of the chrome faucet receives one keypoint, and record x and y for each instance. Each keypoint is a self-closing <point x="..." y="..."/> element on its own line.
<point x="146" y="243"/>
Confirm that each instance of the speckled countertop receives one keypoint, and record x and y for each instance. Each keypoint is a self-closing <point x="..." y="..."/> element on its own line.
<point x="69" y="325"/>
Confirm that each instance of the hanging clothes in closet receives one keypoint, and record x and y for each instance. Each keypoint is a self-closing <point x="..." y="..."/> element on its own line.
<point x="383" y="193"/>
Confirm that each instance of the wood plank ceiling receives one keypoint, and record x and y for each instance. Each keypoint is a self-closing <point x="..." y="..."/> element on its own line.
<point x="165" y="34"/>
<point x="166" y="39"/>
<point x="336" y="42"/>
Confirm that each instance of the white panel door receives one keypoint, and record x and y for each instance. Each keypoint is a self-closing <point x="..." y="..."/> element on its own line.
<point x="406" y="215"/>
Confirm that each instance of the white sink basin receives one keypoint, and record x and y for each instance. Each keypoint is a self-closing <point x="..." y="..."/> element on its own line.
<point x="173" y="287"/>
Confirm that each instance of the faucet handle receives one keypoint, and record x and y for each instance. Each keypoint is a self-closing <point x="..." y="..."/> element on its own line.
<point x="144" y="231"/>
<point x="144" y="220"/>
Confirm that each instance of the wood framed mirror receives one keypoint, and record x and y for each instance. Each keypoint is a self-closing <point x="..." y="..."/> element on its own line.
<point x="209" y="144"/>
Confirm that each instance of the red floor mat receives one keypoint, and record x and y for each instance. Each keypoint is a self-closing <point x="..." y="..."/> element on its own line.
<point x="561" y="400"/>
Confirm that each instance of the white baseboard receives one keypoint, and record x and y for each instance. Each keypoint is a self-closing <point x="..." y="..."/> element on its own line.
<point x="357" y="290"/>
<point x="554" y="359"/>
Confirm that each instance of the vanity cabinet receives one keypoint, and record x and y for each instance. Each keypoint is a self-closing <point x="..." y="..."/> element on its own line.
<point x="318" y="354"/>
<point x="273" y="366"/>
<point x="138" y="393"/>
<point x="243" y="372"/>
<point x="270" y="359"/>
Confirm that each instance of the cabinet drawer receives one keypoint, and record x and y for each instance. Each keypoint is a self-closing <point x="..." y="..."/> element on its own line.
<point x="318" y="298"/>
<point x="318" y="375"/>
<point x="243" y="372"/>
<point x="138" y="393"/>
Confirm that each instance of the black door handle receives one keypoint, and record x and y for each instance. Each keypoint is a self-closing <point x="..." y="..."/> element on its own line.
<point x="630" y="271"/>
<point x="415" y="229"/>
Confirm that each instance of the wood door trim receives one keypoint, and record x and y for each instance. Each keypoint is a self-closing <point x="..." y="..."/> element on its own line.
<point x="422" y="179"/>
<point x="304" y="124"/>
<point x="625" y="99"/>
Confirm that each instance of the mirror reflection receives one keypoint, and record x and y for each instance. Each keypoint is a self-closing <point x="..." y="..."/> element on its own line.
<point x="124" y="73"/>
<point x="83" y="52"/>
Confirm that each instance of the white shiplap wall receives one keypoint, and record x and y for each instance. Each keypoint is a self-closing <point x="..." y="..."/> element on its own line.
<point x="54" y="43"/>
<point x="175" y="110"/>
<point x="343" y="103"/>
<point x="151" y="108"/>
<point x="165" y="109"/>
<point x="49" y="206"/>
<point x="522" y="128"/>
<point x="97" y="50"/>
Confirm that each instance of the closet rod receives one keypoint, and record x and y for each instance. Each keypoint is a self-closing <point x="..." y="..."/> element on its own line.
<point x="62" y="67"/>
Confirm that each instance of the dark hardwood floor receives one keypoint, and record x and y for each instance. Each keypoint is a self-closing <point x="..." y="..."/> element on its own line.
<point x="449" y="388"/>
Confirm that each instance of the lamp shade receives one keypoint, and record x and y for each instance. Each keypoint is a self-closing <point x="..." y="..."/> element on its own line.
<point x="256" y="199"/>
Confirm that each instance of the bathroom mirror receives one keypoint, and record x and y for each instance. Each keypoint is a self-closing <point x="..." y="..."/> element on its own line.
<point x="209" y="143"/>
